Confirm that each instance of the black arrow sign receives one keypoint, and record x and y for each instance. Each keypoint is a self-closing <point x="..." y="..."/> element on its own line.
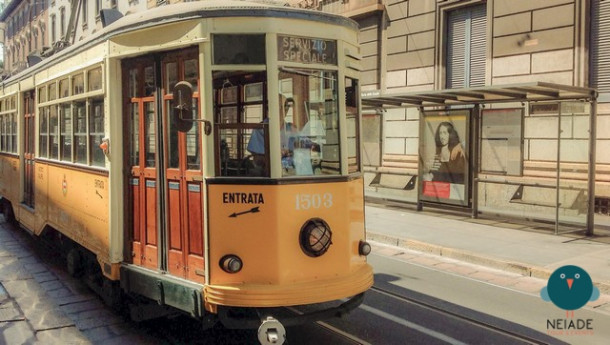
<point x="252" y="210"/>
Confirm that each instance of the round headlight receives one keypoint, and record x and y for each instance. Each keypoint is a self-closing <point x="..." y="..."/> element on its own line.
<point x="315" y="237"/>
<point x="231" y="263"/>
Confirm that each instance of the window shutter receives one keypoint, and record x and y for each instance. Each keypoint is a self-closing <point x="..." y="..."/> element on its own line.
<point x="600" y="45"/>
<point x="466" y="47"/>
<point x="456" y="48"/>
<point x="478" y="46"/>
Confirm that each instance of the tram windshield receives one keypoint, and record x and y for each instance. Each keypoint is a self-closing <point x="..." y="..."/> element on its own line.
<point x="309" y="122"/>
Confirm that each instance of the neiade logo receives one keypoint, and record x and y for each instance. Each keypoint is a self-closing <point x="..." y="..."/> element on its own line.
<point x="569" y="288"/>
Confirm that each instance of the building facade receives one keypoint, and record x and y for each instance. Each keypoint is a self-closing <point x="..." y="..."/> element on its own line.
<point x="411" y="46"/>
<point x="414" y="46"/>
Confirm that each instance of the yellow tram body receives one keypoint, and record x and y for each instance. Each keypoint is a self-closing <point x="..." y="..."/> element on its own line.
<point x="188" y="217"/>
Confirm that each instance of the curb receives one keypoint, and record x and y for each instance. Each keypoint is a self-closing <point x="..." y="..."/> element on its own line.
<point x="473" y="258"/>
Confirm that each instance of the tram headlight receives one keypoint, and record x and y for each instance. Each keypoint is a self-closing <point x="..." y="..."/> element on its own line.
<point x="364" y="248"/>
<point x="231" y="263"/>
<point x="315" y="237"/>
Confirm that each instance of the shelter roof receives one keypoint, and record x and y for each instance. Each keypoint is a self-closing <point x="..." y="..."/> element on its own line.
<point x="527" y="92"/>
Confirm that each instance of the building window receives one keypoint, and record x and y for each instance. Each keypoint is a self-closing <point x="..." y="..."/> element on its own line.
<point x="600" y="48"/>
<point x="466" y="47"/>
<point x="62" y="23"/>
<point x="84" y="13"/>
<point x="53" y="29"/>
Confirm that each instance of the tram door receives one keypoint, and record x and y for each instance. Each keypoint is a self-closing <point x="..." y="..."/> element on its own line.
<point x="165" y="178"/>
<point x="183" y="172"/>
<point x="29" y="129"/>
<point x="141" y="119"/>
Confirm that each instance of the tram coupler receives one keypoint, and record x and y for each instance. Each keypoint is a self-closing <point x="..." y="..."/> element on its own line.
<point x="271" y="332"/>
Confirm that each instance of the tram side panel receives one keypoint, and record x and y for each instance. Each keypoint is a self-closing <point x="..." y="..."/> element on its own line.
<point x="9" y="177"/>
<point x="78" y="207"/>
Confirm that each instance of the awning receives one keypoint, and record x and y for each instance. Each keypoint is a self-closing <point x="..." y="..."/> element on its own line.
<point x="538" y="91"/>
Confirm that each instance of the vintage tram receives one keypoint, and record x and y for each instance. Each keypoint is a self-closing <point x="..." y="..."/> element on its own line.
<point x="202" y="156"/>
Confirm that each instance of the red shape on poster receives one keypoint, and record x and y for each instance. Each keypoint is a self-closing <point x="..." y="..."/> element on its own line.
<point x="437" y="189"/>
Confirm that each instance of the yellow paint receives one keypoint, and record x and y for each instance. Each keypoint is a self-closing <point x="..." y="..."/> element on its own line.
<point x="274" y="266"/>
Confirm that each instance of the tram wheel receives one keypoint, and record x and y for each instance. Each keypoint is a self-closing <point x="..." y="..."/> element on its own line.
<point x="73" y="263"/>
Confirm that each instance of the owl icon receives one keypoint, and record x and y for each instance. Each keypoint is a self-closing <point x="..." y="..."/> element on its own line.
<point x="570" y="288"/>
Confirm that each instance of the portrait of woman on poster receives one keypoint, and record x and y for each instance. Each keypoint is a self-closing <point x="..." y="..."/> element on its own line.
<point x="449" y="160"/>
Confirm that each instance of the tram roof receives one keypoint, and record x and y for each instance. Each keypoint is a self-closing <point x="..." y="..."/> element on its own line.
<point x="526" y="92"/>
<point x="186" y="11"/>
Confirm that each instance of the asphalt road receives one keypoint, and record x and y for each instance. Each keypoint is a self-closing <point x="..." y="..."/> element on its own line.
<point x="417" y="299"/>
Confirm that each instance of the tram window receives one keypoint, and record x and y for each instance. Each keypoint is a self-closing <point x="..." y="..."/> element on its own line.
<point x="80" y="133"/>
<point x="44" y="133"/>
<point x="173" y="152"/>
<point x="309" y="123"/>
<point x="2" y="133"/>
<point x="42" y="94"/>
<point x="64" y="88"/>
<point x="53" y="133"/>
<point x="191" y="73"/>
<point x="353" y="125"/>
<point x="78" y="84"/>
<point x="240" y="117"/>
<point x="133" y="83"/>
<point x="193" y="138"/>
<point x="149" y="135"/>
<point x="52" y="91"/>
<point x="239" y="49"/>
<point x="149" y="81"/>
<point x="171" y="76"/>
<point x="96" y="132"/>
<point x="94" y="79"/>
<point x="135" y="134"/>
<point x="65" y="138"/>
<point x="14" y="133"/>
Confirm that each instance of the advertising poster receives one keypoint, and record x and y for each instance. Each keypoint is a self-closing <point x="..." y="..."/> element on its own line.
<point x="444" y="163"/>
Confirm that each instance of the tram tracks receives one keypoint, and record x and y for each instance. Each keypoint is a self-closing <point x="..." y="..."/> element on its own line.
<point x="476" y="322"/>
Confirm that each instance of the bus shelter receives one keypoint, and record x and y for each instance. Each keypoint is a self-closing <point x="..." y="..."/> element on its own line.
<point x="524" y="150"/>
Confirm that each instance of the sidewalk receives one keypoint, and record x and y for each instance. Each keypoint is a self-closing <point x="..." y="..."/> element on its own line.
<point x="518" y="247"/>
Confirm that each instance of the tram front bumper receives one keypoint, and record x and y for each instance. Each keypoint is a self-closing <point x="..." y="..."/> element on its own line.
<point x="283" y="295"/>
<point x="235" y="318"/>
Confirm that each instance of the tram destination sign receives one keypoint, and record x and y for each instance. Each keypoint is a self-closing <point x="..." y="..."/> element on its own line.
<point x="307" y="50"/>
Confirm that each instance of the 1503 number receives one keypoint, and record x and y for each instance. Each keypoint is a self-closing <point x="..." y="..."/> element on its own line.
<point x="307" y="201"/>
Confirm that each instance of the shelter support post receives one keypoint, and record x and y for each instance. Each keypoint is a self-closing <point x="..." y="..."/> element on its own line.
<point x="475" y="157"/>
<point x="591" y="177"/>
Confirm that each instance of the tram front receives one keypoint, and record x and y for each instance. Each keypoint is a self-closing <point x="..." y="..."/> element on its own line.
<point x="285" y="203"/>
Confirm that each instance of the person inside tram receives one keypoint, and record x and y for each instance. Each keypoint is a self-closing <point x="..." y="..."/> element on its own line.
<point x="256" y="144"/>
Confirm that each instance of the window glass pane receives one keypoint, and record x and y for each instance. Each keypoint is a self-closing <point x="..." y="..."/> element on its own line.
<point x="44" y="133"/>
<point x="95" y="79"/>
<point x="149" y="81"/>
<point x="2" y="133"/>
<point x="353" y="124"/>
<point x="78" y="84"/>
<point x="66" y="132"/>
<point x="53" y="133"/>
<point x="149" y="135"/>
<point x="80" y="133"/>
<point x="96" y="132"/>
<point x="14" y="133"/>
<point x="191" y="73"/>
<point x="133" y="83"/>
<point x="135" y="134"/>
<point x="42" y="94"/>
<point x="309" y="123"/>
<point x="173" y="153"/>
<point x="239" y="49"/>
<point x="52" y="91"/>
<point x="171" y="76"/>
<point x="64" y="88"/>
<point x="193" y="139"/>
